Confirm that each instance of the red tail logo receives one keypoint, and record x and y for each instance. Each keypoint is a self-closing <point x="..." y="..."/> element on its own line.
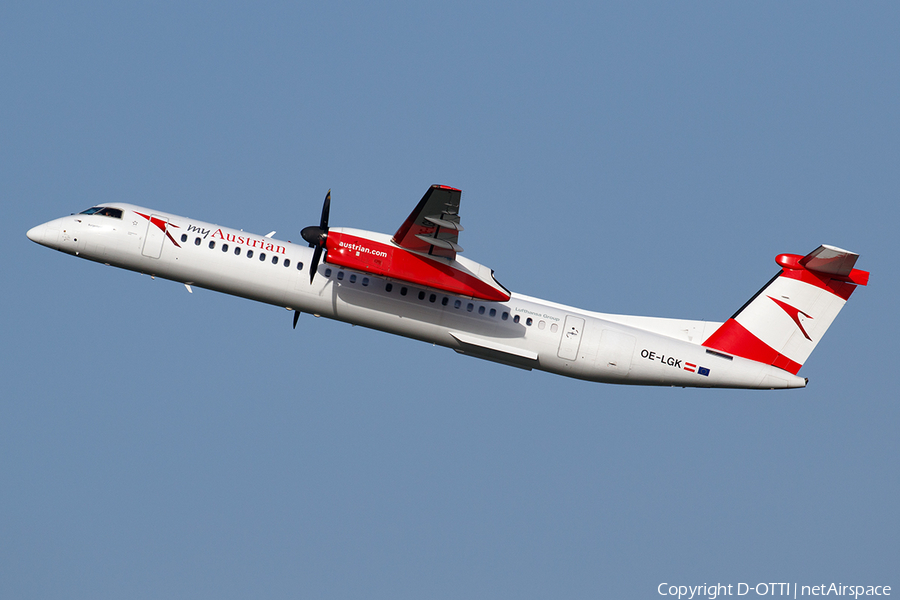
<point x="793" y="313"/>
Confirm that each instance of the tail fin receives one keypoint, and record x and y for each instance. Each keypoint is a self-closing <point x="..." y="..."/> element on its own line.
<point x="784" y="321"/>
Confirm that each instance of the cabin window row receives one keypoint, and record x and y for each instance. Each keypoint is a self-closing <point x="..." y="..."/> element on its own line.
<point x="249" y="254"/>
<point x="389" y="287"/>
<point x="470" y="307"/>
<point x="445" y="301"/>
<point x="353" y="277"/>
<point x="541" y="324"/>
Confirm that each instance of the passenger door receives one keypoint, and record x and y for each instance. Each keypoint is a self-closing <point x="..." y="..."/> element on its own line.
<point x="156" y="235"/>
<point x="571" y="338"/>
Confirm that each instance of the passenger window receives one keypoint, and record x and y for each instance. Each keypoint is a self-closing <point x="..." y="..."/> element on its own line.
<point x="504" y="316"/>
<point x="444" y="301"/>
<point x="528" y="321"/>
<point x="327" y="272"/>
<point x="541" y="324"/>
<point x="469" y="307"/>
<point x="480" y="310"/>
<point x="249" y="253"/>
<point x="224" y="247"/>
<point x="183" y="237"/>
<point x="340" y="275"/>
<point x="197" y="241"/>
<point x="237" y="250"/>
<point x="262" y="257"/>
<point x="421" y="295"/>
<point x="353" y="278"/>
<point x="212" y="245"/>
<point x="287" y="262"/>
<point x="274" y="260"/>
<point x="299" y="266"/>
<point x="389" y="287"/>
<point x="554" y="327"/>
<point x="365" y="281"/>
<point x="432" y="298"/>
<point x="403" y="291"/>
<point x="493" y="312"/>
<point x="516" y="319"/>
<point x="457" y="304"/>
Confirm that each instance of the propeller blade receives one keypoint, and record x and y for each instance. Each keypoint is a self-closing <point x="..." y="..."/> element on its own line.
<point x="326" y="209"/>
<point x="296" y="318"/>
<point x="315" y="263"/>
<point x="317" y="237"/>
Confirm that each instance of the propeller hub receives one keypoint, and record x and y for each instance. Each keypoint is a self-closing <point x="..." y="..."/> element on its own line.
<point x="314" y="235"/>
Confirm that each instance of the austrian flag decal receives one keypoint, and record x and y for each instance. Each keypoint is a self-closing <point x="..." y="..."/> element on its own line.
<point x="695" y="369"/>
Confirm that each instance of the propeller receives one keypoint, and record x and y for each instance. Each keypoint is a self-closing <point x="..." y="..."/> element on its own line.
<point x="317" y="236"/>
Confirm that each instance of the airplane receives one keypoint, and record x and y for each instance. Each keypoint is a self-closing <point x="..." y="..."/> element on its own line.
<point x="416" y="284"/>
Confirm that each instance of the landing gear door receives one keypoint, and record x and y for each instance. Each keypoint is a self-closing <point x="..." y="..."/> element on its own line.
<point x="571" y="338"/>
<point x="156" y="235"/>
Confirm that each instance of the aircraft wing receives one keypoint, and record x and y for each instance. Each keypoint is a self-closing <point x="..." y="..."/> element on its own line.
<point x="433" y="225"/>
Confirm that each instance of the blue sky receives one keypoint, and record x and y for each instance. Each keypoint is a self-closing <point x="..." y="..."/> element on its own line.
<point x="643" y="158"/>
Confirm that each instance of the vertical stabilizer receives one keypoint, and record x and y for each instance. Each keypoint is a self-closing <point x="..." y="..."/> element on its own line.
<point x="784" y="321"/>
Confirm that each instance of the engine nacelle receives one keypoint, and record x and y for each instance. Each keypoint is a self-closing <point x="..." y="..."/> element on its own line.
<point x="375" y="253"/>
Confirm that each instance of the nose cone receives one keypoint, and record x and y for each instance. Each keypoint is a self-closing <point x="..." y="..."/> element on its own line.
<point x="36" y="234"/>
<point x="46" y="234"/>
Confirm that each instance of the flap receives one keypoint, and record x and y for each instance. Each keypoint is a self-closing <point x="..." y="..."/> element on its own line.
<point x="433" y="225"/>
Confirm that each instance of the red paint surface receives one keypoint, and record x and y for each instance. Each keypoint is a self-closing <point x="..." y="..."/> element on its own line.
<point x="791" y="265"/>
<point x="359" y="253"/>
<point x="734" y="338"/>
<point x="841" y="289"/>
<point x="161" y="225"/>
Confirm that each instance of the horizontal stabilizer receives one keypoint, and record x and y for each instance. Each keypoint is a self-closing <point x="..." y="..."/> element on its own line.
<point x="830" y="261"/>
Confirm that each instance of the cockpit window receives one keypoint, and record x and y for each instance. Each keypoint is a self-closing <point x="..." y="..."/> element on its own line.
<point x="103" y="211"/>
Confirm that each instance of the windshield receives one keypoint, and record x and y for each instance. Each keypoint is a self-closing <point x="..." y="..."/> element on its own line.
<point x="104" y="211"/>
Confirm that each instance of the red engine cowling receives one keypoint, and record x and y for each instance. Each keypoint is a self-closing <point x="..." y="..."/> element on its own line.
<point x="388" y="260"/>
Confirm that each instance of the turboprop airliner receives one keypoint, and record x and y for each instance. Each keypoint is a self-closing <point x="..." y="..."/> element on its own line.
<point x="416" y="284"/>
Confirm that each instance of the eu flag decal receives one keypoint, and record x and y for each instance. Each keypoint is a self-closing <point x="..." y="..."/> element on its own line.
<point x="703" y="371"/>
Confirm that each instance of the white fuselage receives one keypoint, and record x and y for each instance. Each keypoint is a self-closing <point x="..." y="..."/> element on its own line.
<point x="524" y="332"/>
